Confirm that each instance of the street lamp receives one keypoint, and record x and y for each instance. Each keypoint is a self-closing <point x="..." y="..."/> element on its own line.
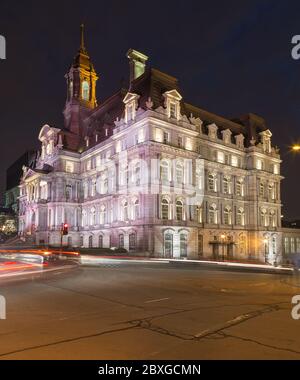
<point x="296" y="148"/>
<point x="266" y="252"/>
<point x="223" y="246"/>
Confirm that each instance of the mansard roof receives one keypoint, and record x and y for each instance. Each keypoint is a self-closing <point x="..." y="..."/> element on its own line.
<point x="153" y="84"/>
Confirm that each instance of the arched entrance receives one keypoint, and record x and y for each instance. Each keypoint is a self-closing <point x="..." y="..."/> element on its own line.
<point x="168" y="244"/>
<point x="91" y="241"/>
<point x="183" y="245"/>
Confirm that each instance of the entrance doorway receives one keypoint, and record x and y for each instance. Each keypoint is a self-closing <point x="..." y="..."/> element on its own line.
<point x="183" y="246"/>
<point x="168" y="245"/>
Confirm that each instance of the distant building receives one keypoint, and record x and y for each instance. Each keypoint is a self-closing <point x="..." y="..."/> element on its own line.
<point x="85" y="168"/>
<point x="13" y="177"/>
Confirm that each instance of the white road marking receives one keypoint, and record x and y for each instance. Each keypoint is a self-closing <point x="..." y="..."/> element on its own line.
<point x="157" y="300"/>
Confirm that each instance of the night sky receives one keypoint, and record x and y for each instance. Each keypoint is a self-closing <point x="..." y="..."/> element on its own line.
<point x="231" y="58"/>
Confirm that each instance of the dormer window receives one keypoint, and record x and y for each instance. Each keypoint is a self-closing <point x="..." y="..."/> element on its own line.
<point x="172" y="104"/>
<point x="239" y="140"/>
<point x="266" y="140"/>
<point x="212" y="131"/>
<point x="173" y="110"/>
<point x="85" y="90"/>
<point x="226" y="134"/>
<point x="131" y="105"/>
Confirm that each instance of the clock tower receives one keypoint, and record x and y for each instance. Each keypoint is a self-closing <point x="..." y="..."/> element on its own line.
<point x="81" y="89"/>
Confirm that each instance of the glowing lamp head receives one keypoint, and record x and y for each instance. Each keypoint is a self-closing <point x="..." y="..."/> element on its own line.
<point x="296" y="148"/>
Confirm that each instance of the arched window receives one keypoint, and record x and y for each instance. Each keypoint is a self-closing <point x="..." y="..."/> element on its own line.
<point x="165" y="171"/>
<point x="91" y="241"/>
<point x="124" y="210"/>
<point x="85" y="90"/>
<point x="179" y="210"/>
<point x="263" y="217"/>
<point x="199" y="214"/>
<point x="121" y="241"/>
<point x="84" y="218"/>
<point x="271" y="190"/>
<point x="272" y="218"/>
<point x="212" y="182"/>
<point x="240" y="217"/>
<point x="227" y="215"/>
<point x="136" y="209"/>
<point x="179" y="172"/>
<point x="93" y="187"/>
<point x="212" y="214"/>
<point x="240" y="188"/>
<point x="102" y="214"/>
<point x="93" y="216"/>
<point x="123" y="174"/>
<point x="137" y="174"/>
<point x="226" y="185"/>
<point x="100" y="242"/>
<point x="132" y="241"/>
<point x="261" y="190"/>
<point x="104" y="183"/>
<point x="165" y="208"/>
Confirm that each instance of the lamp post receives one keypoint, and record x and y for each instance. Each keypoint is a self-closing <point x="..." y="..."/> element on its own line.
<point x="266" y="251"/>
<point x="296" y="148"/>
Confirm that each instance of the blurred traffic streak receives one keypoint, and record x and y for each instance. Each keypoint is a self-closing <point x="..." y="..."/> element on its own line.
<point x="21" y="263"/>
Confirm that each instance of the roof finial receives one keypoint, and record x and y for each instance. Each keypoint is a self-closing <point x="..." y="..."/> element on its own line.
<point x="82" y="47"/>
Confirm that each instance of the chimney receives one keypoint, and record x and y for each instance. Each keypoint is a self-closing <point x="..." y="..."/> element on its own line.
<point x="137" y="63"/>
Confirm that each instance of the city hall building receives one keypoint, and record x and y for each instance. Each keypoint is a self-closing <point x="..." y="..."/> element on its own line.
<point x="124" y="173"/>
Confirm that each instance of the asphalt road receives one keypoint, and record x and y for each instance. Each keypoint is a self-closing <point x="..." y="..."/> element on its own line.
<point x="151" y="311"/>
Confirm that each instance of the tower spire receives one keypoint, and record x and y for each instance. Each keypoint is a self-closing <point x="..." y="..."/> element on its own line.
<point x="82" y="47"/>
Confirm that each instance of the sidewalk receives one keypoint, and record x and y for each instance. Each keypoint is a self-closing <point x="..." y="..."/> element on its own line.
<point x="91" y="260"/>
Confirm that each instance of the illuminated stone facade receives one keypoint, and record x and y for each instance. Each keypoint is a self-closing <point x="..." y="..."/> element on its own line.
<point x="141" y="138"/>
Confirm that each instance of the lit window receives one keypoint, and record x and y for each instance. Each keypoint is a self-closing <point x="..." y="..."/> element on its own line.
<point x="179" y="173"/>
<point x="212" y="214"/>
<point x="180" y="141"/>
<point x="141" y="135"/>
<point x="118" y="146"/>
<point x="136" y="210"/>
<point x="158" y="135"/>
<point x="85" y="90"/>
<point x="165" y="209"/>
<point x="227" y="215"/>
<point x="188" y="144"/>
<point x="276" y="169"/>
<point x="226" y="185"/>
<point x="240" y="188"/>
<point x="212" y="182"/>
<point x="234" y="161"/>
<point x="69" y="167"/>
<point x="102" y="214"/>
<point x="165" y="137"/>
<point x="173" y="110"/>
<point x="221" y="157"/>
<point x="125" y="211"/>
<point x="93" y="216"/>
<point x="261" y="190"/>
<point x="179" y="210"/>
<point x="263" y="217"/>
<point x="259" y="164"/>
<point x="165" y="171"/>
<point x="132" y="241"/>
<point x="240" y="217"/>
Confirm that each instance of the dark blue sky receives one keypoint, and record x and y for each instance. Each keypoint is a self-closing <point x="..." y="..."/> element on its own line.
<point x="231" y="57"/>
